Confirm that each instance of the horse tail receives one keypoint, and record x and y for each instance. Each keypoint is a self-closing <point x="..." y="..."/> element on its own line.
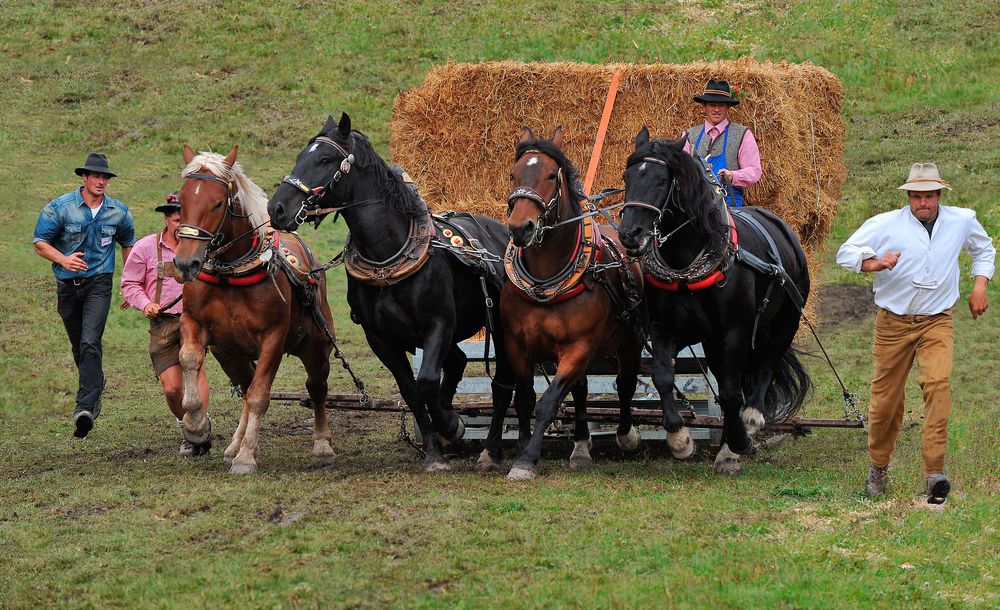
<point x="790" y="386"/>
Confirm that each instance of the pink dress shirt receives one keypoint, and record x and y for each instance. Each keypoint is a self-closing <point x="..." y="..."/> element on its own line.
<point x="749" y="155"/>
<point x="139" y="275"/>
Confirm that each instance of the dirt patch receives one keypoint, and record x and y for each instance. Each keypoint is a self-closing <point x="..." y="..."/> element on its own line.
<point x="840" y="303"/>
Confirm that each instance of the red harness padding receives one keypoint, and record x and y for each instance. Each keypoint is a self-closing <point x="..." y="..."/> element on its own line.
<point x="244" y="280"/>
<point x="713" y="278"/>
<point x="580" y="285"/>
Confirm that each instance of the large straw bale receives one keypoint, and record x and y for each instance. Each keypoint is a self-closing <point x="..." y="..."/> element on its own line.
<point x="456" y="133"/>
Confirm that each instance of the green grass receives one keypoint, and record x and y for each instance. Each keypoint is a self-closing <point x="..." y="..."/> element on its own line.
<point x="119" y="521"/>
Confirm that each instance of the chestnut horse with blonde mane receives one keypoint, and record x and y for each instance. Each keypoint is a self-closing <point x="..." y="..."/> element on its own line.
<point x="245" y="301"/>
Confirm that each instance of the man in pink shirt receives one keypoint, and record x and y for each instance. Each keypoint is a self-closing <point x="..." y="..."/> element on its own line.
<point x="730" y="148"/>
<point x="147" y="285"/>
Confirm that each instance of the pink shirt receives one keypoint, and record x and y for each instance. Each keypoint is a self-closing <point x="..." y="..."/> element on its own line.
<point x="749" y="155"/>
<point x="139" y="275"/>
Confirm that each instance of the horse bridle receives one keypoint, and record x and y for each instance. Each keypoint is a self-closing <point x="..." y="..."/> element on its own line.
<point x="314" y="194"/>
<point x="214" y="238"/>
<point x="526" y="192"/>
<point x="662" y="209"/>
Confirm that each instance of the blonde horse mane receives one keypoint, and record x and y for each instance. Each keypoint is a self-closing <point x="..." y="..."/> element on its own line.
<point x="249" y="195"/>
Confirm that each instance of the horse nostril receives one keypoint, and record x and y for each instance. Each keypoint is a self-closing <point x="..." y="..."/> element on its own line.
<point x="279" y="210"/>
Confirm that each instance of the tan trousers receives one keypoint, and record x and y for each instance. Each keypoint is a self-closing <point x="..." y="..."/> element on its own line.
<point x="898" y="339"/>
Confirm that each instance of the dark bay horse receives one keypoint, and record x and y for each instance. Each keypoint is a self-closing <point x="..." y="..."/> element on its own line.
<point x="245" y="300"/>
<point x="413" y="280"/>
<point x="734" y="280"/>
<point x="570" y="298"/>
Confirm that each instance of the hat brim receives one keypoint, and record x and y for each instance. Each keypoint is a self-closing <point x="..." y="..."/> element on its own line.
<point x="167" y="208"/>
<point x="712" y="97"/>
<point x="95" y="170"/>
<point x="923" y="186"/>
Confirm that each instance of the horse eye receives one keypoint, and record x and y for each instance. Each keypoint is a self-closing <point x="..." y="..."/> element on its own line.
<point x="553" y="176"/>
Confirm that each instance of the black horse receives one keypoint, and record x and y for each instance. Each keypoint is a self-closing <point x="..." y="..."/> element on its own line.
<point x="413" y="280"/>
<point x="734" y="279"/>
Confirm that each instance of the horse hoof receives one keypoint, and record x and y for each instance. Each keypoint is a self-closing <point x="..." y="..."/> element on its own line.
<point x="203" y="448"/>
<point x="753" y="420"/>
<point x="486" y="463"/>
<point x="629" y="442"/>
<point x="228" y="459"/>
<point x="580" y="458"/>
<point x="521" y="473"/>
<point x="457" y="436"/>
<point x="681" y="444"/>
<point x="242" y="468"/>
<point x="325" y="459"/>
<point x="437" y="467"/>
<point x="727" y="462"/>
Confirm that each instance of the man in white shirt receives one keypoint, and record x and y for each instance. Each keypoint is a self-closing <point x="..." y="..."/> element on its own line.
<point x="914" y="253"/>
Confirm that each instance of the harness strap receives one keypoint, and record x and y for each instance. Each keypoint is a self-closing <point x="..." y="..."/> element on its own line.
<point x="159" y="270"/>
<point x="775" y="271"/>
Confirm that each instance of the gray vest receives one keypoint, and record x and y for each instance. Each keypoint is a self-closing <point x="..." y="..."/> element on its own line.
<point x="736" y="133"/>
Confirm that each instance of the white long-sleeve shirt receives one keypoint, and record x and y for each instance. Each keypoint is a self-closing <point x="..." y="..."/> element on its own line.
<point x="925" y="279"/>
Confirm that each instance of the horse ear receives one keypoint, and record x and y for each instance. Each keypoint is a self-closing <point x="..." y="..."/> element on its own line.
<point x="526" y="136"/>
<point x="231" y="157"/>
<point x="330" y="125"/>
<point x="557" y="137"/>
<point x="679" y="143"/>
<point x="188" y="154"/>
<point x="345" y="126"/>
<point x="642" y="137"/>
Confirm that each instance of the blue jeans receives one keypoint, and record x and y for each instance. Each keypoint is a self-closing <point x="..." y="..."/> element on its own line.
<point x="83" y="306"/>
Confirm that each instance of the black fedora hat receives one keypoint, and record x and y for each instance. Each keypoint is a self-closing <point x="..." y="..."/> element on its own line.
<point x="717" y="91"/>
<point x="172" y="205"/>
<point x="97" y="163"/>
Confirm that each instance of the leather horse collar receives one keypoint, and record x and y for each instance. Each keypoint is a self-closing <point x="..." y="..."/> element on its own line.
<point x="567" y="283"/>
<point x="401" y="265"/>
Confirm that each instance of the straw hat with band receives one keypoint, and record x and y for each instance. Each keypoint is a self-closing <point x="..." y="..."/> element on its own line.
<point x="96" y="164"/>
<point x="924" y="177"/>
<point x="717" y="91"/>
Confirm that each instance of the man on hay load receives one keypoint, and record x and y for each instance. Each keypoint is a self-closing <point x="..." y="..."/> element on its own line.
<point x="148" y="285"/>
<point x="730" y="148"/>
<point x="913" y="252"/>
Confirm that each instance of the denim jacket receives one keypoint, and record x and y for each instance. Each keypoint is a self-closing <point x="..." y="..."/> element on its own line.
<point x="66" y="224"/>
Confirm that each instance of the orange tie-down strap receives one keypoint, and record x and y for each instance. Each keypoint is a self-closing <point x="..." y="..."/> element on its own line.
<point x="602" y="131"/>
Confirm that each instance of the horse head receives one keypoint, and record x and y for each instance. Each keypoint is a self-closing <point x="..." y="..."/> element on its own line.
<point x="206" y="203"/>
<point x="650" y="186"/>
<point x="317" y="175"/>
<point x="541" y="179"/>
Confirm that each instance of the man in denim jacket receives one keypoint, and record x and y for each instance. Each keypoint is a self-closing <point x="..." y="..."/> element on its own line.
<point x="78" y="232"/>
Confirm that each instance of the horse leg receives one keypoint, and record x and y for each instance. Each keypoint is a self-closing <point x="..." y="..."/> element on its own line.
<point x="734" y="434"/>
<point x="316" y="360"/>
<point x="455" y="362"/>
<point x="196" y="424"/>
<point x="580" y="458"/>
<point x="241" y="373"/>
<point x="394" y="359"/>
<point x="502" y="387"/>
<point x="572" y="366"/>
<point x="664" y="350"/>
<point x="256" y="400"/>
<point x="752" y="413"/>
<point x="437" y="343"/>
<point x="629" y="357"/>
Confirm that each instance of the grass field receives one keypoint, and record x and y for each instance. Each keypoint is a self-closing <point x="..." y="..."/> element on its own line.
<point x="118" y="520"/>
